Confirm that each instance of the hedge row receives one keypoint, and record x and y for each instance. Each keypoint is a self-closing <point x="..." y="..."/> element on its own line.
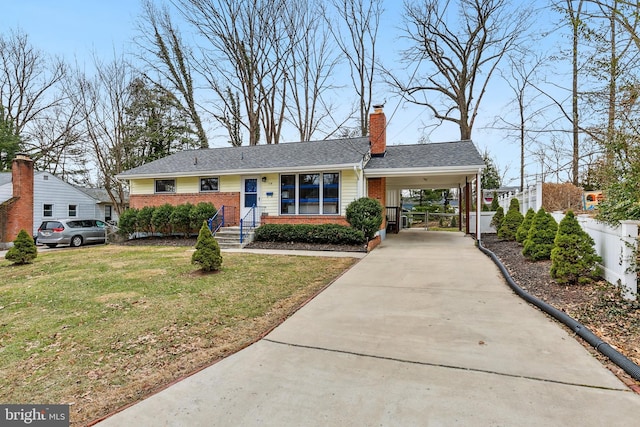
<point x="308" y="233"/>
<point x="167" y="219"/>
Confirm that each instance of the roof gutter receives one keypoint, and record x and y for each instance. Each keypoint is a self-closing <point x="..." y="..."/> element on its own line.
<point x="198" y="173"/>
<point x="442" y="170"/>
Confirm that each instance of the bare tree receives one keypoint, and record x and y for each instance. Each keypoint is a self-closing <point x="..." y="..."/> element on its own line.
<point x="312" y="63"/>
<point x="30" y="82"/>
<point x="461" y="57"/>
<point x="356" y="33"/>
<point x="521" y="78"/>
<point x="244" y="54"/>
<point x="103" y="101"/>
<point x="170" y="59"/>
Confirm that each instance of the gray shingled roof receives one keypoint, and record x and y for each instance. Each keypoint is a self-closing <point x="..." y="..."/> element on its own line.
<point x="432" y="155"/>
<point x="255" y="158"/>
<point x="100" y="194"/>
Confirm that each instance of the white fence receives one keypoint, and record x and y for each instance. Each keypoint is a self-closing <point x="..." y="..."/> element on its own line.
<point x="618" y="246"/>
<point x="531" y="197"/>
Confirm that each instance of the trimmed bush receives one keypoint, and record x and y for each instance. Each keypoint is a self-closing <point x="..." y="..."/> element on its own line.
<point x="511" y="222"/>
<point x="496" y="221"/>
<point x="161" y="218"/>
<point x="365" y="214"/>
<point x="541" y="237"/>
<point x="574" y="259"/>
<point x="127" y="223"/>
<point x="207" y="254"/>
<point x="24" y="249"/>
<point x="307" y="233"/>
<point x="145" y="215"/>
<point x="202" y="212"/>
<point x="495" y="204"/>
<point x="180" y="218"/>
<point x="525" y="225"/>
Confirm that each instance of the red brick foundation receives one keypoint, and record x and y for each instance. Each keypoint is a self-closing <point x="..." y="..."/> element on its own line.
<point x="230" y="199"/>
<point x="304" y="219"/>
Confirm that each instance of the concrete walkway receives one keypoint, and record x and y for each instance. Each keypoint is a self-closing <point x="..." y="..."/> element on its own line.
<point x="421" y="332"/>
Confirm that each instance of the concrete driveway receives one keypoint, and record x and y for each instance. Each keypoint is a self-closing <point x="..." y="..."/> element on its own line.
<point x="421" y="332"/>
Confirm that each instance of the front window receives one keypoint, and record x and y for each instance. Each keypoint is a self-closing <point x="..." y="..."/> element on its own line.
<point x="310" y="194"/>
<point x="107" y="213"/>
<point x="73" y="211"/>
<point x="330" y="193"/>
<point x="165" y="185"/>
<point x="208" y="184"/>
<point x="47" y="210"/>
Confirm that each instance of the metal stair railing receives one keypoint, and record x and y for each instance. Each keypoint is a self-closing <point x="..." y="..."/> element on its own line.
<point x="217" y="221"/>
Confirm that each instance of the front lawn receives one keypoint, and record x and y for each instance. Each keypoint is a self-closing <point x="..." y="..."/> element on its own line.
<point x="100" y="327"/>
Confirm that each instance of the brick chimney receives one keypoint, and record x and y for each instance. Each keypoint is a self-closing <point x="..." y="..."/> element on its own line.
<point x="20" y="214"/>
<point x="378" y="132"/>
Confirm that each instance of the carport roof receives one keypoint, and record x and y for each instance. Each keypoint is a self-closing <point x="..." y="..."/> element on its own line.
<point x="433" y="165"/>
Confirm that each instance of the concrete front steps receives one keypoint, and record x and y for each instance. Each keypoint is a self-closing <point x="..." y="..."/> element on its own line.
<point x="229" y="238"/>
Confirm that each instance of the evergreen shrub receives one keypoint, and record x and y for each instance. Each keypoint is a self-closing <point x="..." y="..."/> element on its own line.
<point x="207" y="254"/>
<point x="308" y="233"/>
<point x="24" y="249"/>
<point x="541" y="237"/>
<point x="511" y="222"/>
<point x="496" y="221"/>
<point x="574" y="259"/>
<point x="365" y="214"/>
<point x="525" y="225"/>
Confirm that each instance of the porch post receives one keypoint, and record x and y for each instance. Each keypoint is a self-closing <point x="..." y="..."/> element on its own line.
<point x="459" y="207"/>
<point x="478" y="205"/>
<point x="467" y="204"/>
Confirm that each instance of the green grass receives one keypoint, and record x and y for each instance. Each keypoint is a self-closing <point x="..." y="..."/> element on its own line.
<point x="99" y="327"/>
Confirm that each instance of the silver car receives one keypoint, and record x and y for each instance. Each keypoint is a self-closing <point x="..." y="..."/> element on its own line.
<point x="72" y="232"/>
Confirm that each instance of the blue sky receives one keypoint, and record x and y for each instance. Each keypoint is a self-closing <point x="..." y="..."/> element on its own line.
<point x="76" y="29"/>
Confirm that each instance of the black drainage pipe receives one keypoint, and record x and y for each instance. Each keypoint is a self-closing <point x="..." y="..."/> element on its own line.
<point x="627" y="365"/>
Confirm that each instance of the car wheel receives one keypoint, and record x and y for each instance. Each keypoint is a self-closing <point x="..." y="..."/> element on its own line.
<point x="76" y="241"/>
<point x="52" y="245"/>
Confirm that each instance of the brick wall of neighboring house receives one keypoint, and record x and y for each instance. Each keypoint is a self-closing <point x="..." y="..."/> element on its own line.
<point x="377" y="189"/>
<point x="304" y="219"/>
<point x="230" y="199"/>
<point x="19" y="214"/>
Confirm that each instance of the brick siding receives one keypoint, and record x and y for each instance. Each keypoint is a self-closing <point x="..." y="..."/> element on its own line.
<point x="231" y="199"/>
<point x="304" y="219"/>
<point x="20" y="213"/>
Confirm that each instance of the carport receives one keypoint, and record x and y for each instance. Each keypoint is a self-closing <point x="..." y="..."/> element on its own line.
<point x="455" y="164"/>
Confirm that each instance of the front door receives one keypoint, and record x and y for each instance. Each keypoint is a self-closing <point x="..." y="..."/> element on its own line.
<point x="249" y="197"/>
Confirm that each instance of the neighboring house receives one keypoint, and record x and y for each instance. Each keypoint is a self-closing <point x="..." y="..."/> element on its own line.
<point x="304" y="182"/>
<point x="28" y="197"/>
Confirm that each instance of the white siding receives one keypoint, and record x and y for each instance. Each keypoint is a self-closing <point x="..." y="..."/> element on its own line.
<point x="6" y="192"/>
<point x="348" y="189"/>
<point x="48" y="189"/>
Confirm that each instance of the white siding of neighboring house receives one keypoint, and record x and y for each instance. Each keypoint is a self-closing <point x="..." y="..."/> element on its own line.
<point x="49" y="189"/>
<point x="6" y="192"/>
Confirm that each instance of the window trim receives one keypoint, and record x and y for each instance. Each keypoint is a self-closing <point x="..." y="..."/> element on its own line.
<point x="217" y="184"/>
<point x="75" y="211"/>
<point x="44" y="210"/>
<point x="295" y="188"/>
<point x="155" y="186"/>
